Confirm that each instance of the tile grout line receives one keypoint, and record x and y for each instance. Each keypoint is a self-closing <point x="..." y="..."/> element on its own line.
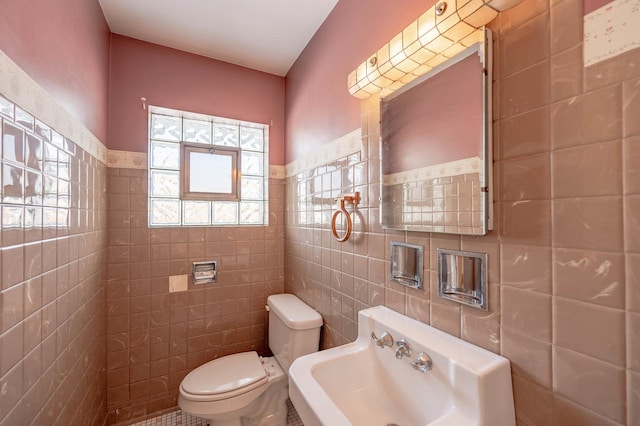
<point x="180" y="418"/>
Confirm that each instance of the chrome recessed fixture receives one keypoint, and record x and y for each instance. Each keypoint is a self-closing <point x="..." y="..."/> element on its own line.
<point x="462" y="277"/>
<point x="441" y="8"/>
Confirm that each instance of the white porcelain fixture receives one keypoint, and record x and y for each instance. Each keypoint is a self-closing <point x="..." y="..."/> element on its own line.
<point x="245" y="389"/>
<point x="372" y="383"/>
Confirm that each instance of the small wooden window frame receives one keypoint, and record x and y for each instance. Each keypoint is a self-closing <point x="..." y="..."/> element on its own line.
<point x="186" y="148"/>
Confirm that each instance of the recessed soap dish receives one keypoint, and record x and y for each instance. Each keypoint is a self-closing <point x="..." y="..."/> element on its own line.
<point x="406" y="264"/>
<point x="462" y="277"/>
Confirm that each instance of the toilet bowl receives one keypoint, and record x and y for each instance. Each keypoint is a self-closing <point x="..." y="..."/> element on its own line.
<point x="246" y="389"/>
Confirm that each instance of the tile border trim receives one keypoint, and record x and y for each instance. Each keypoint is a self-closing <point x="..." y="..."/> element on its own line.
<point x="341" y="147"/>
<point x="127" y="160"/>
<point x="610" y="31"/>
<point x="139" y="160"/>
<point x="450" y="169"/>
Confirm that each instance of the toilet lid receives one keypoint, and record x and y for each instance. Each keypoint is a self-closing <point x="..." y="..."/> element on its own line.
<point x="242" y="371"/>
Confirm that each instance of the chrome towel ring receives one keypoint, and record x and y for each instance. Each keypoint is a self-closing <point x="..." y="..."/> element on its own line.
<point x="353" y="198"/>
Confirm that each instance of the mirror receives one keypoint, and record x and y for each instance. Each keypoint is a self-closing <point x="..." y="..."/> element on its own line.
<point x="436" y="148"/>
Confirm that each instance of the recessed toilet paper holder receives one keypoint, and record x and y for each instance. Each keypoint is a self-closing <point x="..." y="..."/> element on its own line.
<point x="205" y="272"/>
<point x="462" y="277"/>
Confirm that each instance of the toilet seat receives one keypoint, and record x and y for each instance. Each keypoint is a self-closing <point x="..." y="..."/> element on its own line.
<point x="225" y="377"/>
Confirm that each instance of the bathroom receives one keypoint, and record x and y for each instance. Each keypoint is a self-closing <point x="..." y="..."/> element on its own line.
<point x="92" y="335"/>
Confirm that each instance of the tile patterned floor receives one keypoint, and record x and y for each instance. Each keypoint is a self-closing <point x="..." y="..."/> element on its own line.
<point x="180" y="418"/>
<point x="175" y="418"/>
<point x="293" y="419"/>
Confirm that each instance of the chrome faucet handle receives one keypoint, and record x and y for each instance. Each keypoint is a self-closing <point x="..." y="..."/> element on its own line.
<point x="404" y="349"/>
<point x="384" y="340"/>
<point x="423" y="363"/>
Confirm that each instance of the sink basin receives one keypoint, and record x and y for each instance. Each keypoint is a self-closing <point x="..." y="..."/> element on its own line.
<point x="361" y="383"/>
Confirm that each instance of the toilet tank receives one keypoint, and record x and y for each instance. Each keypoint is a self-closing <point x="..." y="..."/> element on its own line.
<point x="294" y="328"/>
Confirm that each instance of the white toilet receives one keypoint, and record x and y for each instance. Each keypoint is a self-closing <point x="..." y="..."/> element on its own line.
<point x="245" y="389"/>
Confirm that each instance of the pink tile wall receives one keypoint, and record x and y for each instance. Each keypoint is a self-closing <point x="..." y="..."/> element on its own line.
<point x="564" y="258"/>
<point x="53" y="266"/>
<point x="154" y="338"/>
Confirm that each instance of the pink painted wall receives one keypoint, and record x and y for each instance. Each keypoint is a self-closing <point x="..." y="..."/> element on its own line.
<point x="591" y="5"/>
<point x="318" y="105"/>
<point x="418" y="121"/>
<point x="64" y="46"/>
<point x="175" y="79"/>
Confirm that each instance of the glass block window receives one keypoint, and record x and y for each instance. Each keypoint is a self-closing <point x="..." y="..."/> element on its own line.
<point x="170" y="131"/>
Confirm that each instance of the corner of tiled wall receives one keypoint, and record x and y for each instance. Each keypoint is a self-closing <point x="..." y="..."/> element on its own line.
<point x="155" y="337"/>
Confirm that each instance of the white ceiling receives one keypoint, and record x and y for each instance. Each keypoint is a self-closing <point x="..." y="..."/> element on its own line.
<point x="267" y="35"/>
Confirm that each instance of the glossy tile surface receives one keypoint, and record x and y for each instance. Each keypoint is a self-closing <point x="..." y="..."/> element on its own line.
<point x="154" y="337"/>
<point x="52" y="299"/>
<point x="564" y="257"/>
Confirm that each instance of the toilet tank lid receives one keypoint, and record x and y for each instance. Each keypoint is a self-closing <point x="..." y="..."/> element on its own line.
<point x="296" y="314"/>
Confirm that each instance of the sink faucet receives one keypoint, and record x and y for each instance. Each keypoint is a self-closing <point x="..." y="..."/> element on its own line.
<point x="423" y="363"/>
<point x="404" y="349"/>
<point x="384" y="340"/>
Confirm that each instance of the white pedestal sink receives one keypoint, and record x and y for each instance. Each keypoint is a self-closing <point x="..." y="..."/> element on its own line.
<point x="361" y="383"/>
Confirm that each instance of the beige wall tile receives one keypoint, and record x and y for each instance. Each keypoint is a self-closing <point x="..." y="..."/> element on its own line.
<point x="525" y="134"/>
<point x="525" y="45"/>
<point x="446" y="318"/>
<point x="526" y="312"/>
<point x="14" y="274"/>
<point x="590" y="329"/>
<point x="566" y="412"/>
<point x="480" y="329"/>
<point x="526" y="267"/>
<point x="589" y="170"/>
<point x="418" y="308"/>
<point x="588" y="118"/>
<point x="451" y="242"/>
<point x="632" y="223"/>
<point x="588" y="276"/>
<point x="530" y="358"/>
<point x="590" y="223"/>
<point x="632" y="287"/>
<point x="521" y="13"/>
<point x="526" y="222"/>
<point x="631" y="156"/>
<point x="534" y="403"/>
<point x="612" y="71"/>
<point x="633" y="397"/>
<point x="526" y="178"/>
<point x="590" y="383"/>
<point x="32" y="295"/>
<point x="525" y="90"/>
<point x="633" y="341"/>
<point x="12" y="307"/>
<point x="631" y="107"/>
<point x="395" y="300"/>
<point x="566" y="73"/>
<point x="32" y="259"/>
<point x="12" y="384"/>
<point x="11" y="348"/>
<point x="566" y="25"/>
